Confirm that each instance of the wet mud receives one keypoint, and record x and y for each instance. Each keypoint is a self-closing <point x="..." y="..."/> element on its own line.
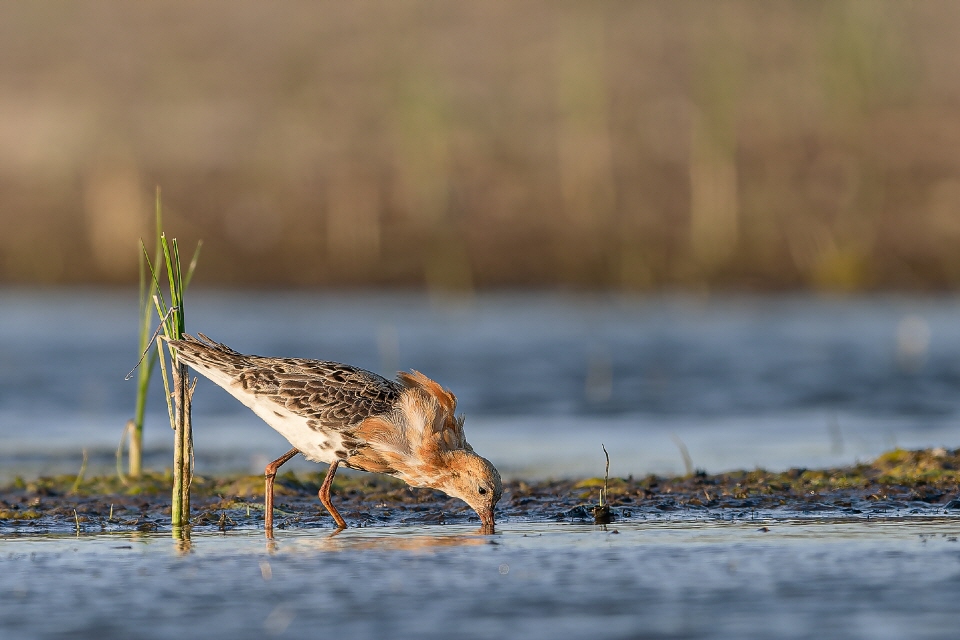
<point x="897" y="484"/>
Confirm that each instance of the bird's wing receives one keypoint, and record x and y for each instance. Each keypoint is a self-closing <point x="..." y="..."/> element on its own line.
<point x="445" y="432"/>
<point x="338" y="396"/>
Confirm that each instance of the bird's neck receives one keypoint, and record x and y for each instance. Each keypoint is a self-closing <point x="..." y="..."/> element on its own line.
<point x="433" y="472"/>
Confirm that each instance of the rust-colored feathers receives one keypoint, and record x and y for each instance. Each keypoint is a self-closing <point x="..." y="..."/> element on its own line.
<point x="445" y="430"/>
<point x="415" y="436"/>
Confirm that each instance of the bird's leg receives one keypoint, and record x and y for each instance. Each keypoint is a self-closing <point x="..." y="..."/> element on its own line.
<point x="269" y="474"/>
<point x="325" y="495"/>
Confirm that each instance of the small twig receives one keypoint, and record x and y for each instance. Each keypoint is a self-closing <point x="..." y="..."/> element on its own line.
<point x="606" y="477"/>
<point x="76" y="518"/>
<point x="143" y="355"/>
<point x="189" y="401"/>
<point x="687" y="460"/>
<point x="83" y="469"/>
<point x="601" y="512"/>
<point x="126" y="434"/>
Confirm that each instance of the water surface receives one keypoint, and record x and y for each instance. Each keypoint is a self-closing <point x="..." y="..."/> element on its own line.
<point x="741" y="578"/>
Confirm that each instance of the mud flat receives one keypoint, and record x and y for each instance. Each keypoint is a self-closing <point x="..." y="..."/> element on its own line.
<point x="897" y="484"/>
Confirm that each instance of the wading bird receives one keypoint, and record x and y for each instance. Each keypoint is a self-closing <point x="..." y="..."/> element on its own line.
<point x="344" y="415"/>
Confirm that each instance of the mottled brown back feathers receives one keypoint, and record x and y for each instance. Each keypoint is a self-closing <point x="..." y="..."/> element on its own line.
<point x="337" y="395"/>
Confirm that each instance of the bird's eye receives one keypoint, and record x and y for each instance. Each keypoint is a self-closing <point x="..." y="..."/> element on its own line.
<point x="481" y="491"/>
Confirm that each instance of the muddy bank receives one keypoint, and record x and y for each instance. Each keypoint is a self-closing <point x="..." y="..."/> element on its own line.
<point x="897" y="484"/>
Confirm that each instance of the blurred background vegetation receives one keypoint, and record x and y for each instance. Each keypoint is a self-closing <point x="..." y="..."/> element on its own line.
<point x="620" y="145"/>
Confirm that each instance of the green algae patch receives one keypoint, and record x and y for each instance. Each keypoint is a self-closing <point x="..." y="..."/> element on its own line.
<point x="148" y="484"/>
<point x="17" y="514"/>
<point x="919" y="467"/>
<point x="613" y="484"/>
<point x="158" y="484"/>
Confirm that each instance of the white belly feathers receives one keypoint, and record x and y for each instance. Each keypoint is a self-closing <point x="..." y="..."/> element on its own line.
<point x="318" y="445"/>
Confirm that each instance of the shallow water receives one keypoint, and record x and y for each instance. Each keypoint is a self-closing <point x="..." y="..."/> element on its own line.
<point x="543" y="379"/>
<point x="678" y="579"/>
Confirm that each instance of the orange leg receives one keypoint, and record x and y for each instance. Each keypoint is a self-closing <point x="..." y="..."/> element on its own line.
<point x="325" y="495"/>
<point x="269" y="474"/>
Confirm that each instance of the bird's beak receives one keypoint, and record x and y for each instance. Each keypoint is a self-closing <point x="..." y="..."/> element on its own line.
<point x="486" y="518"/>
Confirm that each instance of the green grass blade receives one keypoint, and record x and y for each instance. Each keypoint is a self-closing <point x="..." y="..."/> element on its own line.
<point x="156" y="280"/>
<point x="193" y="266"/>
<point x="157" y="250"/>
<point x="166" y="384"/>
<point x="142" y="270"/>
<point x="168" y="256"/>
<point x="177" y="284"/>
<point x="163" y="371"/>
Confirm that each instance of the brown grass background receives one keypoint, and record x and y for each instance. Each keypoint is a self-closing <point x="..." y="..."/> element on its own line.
<point x="621" y="145"/>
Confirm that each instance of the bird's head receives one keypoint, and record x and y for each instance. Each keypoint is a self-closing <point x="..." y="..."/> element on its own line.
<point x="474" y="480"/>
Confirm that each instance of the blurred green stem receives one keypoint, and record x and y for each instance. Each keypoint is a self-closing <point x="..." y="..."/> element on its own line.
<point x="147" y="291"/>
